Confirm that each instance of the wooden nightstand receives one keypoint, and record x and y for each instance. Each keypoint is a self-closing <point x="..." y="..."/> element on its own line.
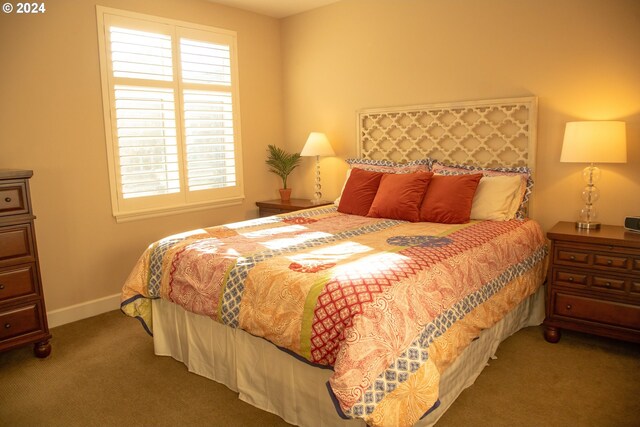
<point x="593" y="284"/>
<point x="277" y="206"/>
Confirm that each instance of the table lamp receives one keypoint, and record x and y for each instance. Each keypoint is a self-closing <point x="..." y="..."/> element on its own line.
<point x="317" y="145"/>
<point x="591" y="142"/>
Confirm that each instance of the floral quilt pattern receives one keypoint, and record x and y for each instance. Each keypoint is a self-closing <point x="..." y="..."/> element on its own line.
<point x="387" y="304"/>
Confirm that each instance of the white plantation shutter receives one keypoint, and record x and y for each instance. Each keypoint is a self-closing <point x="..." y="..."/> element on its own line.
<point x="141" y="54"/>
<point x="147" y="147"/>
<point x="206" y="63"/>
<point x="172" y="117"/>
<point x="209" y="138"/>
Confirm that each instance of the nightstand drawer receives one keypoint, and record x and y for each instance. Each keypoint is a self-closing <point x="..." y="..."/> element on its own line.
<point x="614" y="262"/>
<point x="15" y="242"/>
<point x="593" y="310"/>
<point x="20" y="321"/>
<point x="17" y="281"/>
<point x="595" y="256"/>
<point x="269" y="211"/>
<point x="13" y="199"/>
<point x="570" y="278"/>
<point x="608" y="283"/>
<point x="572" y="257"/>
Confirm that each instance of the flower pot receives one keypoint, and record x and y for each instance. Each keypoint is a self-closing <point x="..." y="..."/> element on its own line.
<point x="285" y="194"/>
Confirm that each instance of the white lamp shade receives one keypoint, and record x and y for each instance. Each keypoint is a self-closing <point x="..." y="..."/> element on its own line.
<point x="594" y="142"/>
<point x="317" y="145"/>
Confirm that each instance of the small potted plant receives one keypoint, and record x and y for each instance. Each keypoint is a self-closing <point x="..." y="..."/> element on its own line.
<point x="282" y="164"/>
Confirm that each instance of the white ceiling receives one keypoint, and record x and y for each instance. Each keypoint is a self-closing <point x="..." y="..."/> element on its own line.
<point x="275" y="8"/>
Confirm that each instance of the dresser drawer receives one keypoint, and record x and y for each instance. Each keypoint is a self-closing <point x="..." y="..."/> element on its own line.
<point x="594" y="310"/>
<point x="17" y="281"/>
<point x="15" y="242"/>
<point x="13" y="199"/>
<point x="20" y="321"/>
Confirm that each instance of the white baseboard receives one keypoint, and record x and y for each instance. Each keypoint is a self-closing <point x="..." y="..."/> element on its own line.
<point x="83" y="310"/>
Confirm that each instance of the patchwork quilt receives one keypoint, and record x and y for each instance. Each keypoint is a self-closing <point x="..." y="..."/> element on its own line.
<point x="387" y="304"/>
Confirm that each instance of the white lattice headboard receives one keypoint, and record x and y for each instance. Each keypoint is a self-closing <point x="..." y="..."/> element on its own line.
<point x="488" y="133"/>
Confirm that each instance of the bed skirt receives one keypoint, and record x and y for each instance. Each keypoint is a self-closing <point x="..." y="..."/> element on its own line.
<point x="273" y="380"/>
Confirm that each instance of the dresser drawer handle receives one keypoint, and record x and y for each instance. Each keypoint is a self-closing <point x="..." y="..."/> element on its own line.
<point x="568" y="306"/>
<point x="7" y="325"/>
<point x="572" y="257"/>
<point x="571" y="279"/>
<point x="1" y="286"/>
<point x="607" y="285"/>
<point x="7" y="199"/>
<point x="609" y="262"/>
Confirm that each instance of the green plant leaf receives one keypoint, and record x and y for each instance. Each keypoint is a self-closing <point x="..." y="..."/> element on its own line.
<point x="281" y="163"/>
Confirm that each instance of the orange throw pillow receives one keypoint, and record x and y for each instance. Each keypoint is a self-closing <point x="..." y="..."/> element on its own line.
<point x="449" y="198"/>
<point x="359" y="192"/>
<point x="400" y="196"/>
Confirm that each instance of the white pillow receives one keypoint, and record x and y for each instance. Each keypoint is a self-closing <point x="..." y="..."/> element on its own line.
<point x="496" y="198"/>
<point x="337" y="201"/>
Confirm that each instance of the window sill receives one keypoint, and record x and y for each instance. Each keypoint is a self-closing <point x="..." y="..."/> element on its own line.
<point x="154" y="213"/>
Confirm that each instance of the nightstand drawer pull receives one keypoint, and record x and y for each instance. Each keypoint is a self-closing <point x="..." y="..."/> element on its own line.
<point x="7" y="325"/>
<point x="7" y="199"/>
<point x="568" y="306"/>
<point x="1" y="286"/>
<point x="571" y="278"/>
<point x="572" y="257"/>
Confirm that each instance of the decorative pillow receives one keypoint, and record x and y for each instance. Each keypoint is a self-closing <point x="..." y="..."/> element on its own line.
<point x="523" y="172"/>
<point x="359" y="191"/>
<point x="449" y="198"/>
<point x="496" y="198"/>
<point x="400" y="195"/>
<point x="385" y="166"/>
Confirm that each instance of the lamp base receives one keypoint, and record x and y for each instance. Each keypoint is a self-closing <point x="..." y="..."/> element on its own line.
<point x="587" y="225"/>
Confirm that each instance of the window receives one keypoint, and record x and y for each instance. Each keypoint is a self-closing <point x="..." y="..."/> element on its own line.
<point x="170" y="95"/>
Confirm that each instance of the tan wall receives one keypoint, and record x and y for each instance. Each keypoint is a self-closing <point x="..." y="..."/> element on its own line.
<point x="51" y="121"/>
<point x="580" y="57"/>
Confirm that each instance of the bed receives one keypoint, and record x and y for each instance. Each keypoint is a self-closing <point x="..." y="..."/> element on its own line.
<point x="329" y="317"/>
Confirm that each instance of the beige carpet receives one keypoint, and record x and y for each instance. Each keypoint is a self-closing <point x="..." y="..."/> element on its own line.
<point x="102" y="372"/>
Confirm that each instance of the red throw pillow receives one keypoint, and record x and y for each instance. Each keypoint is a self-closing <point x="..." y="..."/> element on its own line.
<point x="448" y="199"/>
<point x="359" y="192"/>
<point x="400" y="196"/>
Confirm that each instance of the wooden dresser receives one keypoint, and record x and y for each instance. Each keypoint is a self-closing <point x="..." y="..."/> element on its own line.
<point x="22" y="312"/>
<point x="594" y="282"/>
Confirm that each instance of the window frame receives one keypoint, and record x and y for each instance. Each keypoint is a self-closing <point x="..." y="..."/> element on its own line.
<point x="184" y="200"/>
